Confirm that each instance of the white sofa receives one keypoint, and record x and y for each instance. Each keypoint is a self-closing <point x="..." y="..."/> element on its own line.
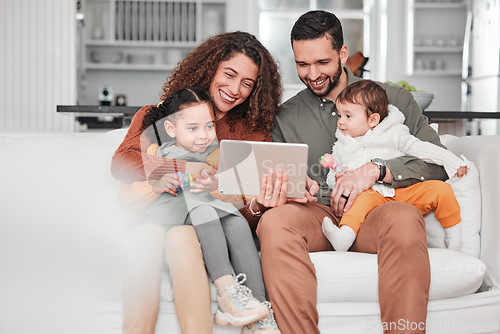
<point x="61" y="217"/>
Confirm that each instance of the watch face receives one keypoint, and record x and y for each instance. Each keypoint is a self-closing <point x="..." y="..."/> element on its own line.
<point x="379" y="161"/>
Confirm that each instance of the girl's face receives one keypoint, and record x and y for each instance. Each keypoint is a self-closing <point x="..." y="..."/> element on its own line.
<point x="232" y="83"/>
<point x="194" y="130"/>
<point x="352" y="119"/>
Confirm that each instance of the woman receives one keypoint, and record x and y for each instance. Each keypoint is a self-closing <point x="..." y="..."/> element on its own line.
<point x="243" y="81"/>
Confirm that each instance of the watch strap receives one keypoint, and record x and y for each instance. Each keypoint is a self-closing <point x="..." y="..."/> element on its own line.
<point x="383" y="171"/>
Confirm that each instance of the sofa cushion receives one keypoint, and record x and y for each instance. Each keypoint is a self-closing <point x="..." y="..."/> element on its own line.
<point x="468" y="193"/>
<point x="353" y="277"/>
<point x="350" y="276"/>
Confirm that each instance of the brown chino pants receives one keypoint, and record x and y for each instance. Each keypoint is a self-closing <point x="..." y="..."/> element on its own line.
<point x="395" y="231"/>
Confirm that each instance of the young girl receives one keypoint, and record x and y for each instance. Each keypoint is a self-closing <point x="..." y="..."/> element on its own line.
<point x="369" y="129"/>
<point x="188" y="118"/>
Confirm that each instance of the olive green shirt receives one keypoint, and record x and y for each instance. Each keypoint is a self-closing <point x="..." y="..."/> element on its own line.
<point x="307" y="118"/>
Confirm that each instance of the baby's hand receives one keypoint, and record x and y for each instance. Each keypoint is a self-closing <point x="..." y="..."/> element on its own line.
<point x="461" y="171"/>
<point x="327" y="161"/>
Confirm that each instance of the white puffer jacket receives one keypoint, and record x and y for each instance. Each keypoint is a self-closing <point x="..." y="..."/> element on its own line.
<point x="388" y="140"/>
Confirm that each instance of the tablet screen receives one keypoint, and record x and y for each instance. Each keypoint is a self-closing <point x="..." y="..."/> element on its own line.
<point x="243" y="163"/>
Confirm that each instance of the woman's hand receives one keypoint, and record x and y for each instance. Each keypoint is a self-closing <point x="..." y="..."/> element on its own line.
<point x="271" y="195"/>
<point x="169" y="183"/>
<point x="312" y="188"/>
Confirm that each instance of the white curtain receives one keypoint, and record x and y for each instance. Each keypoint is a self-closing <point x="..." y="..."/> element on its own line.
<point x="37" y="64"/>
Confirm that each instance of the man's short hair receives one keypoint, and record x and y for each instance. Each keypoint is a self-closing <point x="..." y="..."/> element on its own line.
<point x="318" y="23"/>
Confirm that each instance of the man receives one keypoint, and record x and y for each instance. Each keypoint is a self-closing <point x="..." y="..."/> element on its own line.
<point x="395" y="231"/>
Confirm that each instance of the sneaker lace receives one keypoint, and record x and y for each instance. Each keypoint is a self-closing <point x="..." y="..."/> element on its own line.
<point x="240" y="291"/>
<point x="269" y="320"/>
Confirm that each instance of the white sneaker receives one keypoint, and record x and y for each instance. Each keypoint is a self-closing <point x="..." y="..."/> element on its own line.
<point x="265" y="326"/>
<point x="238" y="306"/>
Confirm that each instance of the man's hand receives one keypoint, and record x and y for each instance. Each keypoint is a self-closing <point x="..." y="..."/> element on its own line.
<point x="350" y="184"/>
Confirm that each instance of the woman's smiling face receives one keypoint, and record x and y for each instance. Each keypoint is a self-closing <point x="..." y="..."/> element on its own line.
<point x="233" y="83"/>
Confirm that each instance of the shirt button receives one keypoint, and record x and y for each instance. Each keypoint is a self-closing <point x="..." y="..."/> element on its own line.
<point x="324" y="100"/>
<point x="400" y="177"/>
<point x="333" y="113"/>
<point x="422" y="178"/>
<point x="321" y="105"/>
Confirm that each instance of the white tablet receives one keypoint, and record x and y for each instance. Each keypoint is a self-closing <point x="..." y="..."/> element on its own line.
<point x="243" y="163"/>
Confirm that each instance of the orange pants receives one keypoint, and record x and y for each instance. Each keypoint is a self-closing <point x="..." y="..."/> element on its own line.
<point x="425" y="196"/>
<point x="395" y="231"/>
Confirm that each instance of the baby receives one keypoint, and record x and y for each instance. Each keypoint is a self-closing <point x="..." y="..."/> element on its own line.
<point x="369" y="129"/>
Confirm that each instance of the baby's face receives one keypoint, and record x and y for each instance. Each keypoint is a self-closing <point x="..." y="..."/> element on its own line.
<point x="195" y="130"/>
<point x="352" y="119"/>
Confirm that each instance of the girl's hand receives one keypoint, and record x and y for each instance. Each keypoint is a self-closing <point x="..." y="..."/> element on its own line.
<point x="208" y="181"/>
<point x="168" y="184"/>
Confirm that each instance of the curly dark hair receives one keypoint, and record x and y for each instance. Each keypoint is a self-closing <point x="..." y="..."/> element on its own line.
<point x="366" y="93"/>
<point x="201" y="64"/>
<point x="318" y="23"/>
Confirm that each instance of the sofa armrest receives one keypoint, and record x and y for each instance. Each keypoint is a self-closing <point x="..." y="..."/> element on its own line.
<point x="483" y="151"/>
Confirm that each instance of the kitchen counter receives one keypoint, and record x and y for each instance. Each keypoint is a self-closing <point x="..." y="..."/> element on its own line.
<point x="131" y="110"/>
<point x="433" y="115"/>
<point x="88" y="109"/>
<point x="453" y="118"/>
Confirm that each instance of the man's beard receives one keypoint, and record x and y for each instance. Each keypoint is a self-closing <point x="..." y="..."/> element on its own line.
<point x="332" y="82"/>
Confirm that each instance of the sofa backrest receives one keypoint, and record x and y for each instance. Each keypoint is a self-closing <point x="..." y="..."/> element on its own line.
<point x="484" y="152"/>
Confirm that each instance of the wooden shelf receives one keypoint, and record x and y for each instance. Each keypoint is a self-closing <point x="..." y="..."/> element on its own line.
<point x="438" y="72"/>
<point x="128" y="67"/>
<point x="440" y="5"/>
<point x="140" y="44"/>
<point x="438" y="49"/>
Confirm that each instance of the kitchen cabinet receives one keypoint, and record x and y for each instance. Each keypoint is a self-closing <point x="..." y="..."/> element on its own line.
<point x="434" y="37"/>
<point x="131" y="46"/>
<point x="146" y="35"/>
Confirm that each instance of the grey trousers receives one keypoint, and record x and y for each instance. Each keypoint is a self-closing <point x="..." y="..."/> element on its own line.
<point x="227" y="243"/>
